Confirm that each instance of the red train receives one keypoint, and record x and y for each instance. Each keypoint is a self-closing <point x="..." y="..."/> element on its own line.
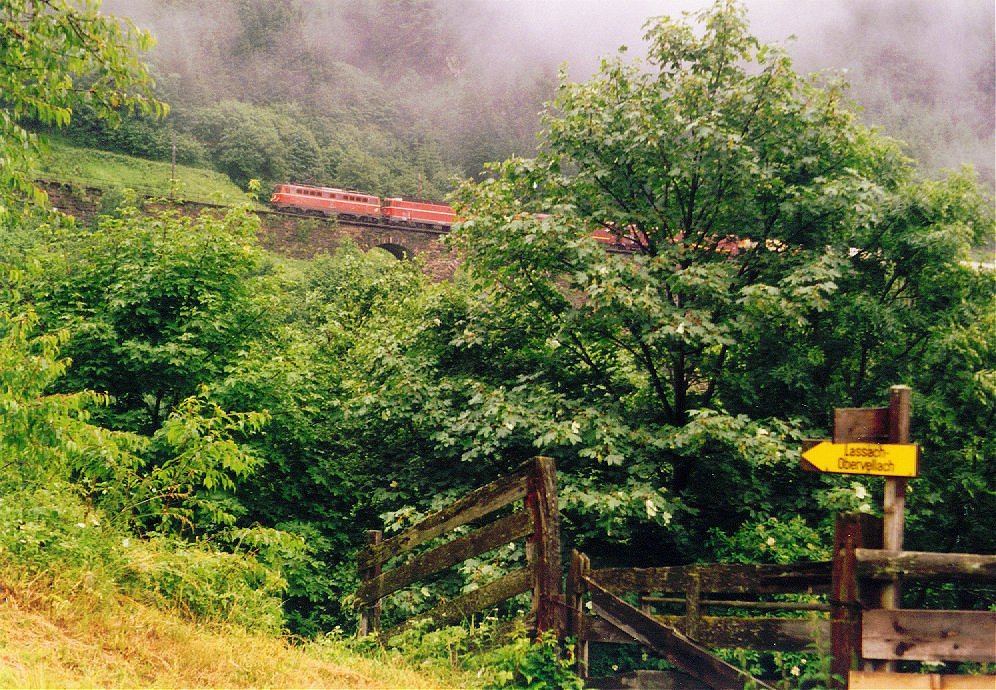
<point x="329" y="201"/>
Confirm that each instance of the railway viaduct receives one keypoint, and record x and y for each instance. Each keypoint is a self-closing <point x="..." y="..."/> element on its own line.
<point x="303" y="237"/>
<point x="292" y="235"/>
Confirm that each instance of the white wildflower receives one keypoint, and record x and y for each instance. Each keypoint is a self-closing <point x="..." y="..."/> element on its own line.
<point x="651" y="508"/>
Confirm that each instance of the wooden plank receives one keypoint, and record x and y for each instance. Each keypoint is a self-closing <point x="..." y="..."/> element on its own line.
<point x="929" y="635"/>
<point x="879" y="564"/>
<point x="894" y="496"/>
<point x="861" y="425"/>
<point x="850" y="532"/>
<point x="658" y="680"/>
<point x="459" y="609"/>
<point x="477" y="504"/>
<point x="509" y="528"/>
<point x="772" y="634"/>
<point x="370" y="615"/>
<point x="871" y="680"/>
<point x="729" y="632"/>
<point x="574" y="597"/>
<point x="809" y="577"/>
<point x="543" y="549"/>
<point x="720" y="578"/>
<point x="667" y="642"/>
<point x="731" y="603"/>
<point x="594" y="629"/>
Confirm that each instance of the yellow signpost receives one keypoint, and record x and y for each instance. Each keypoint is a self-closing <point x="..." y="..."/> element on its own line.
<point x="882" y="459"/>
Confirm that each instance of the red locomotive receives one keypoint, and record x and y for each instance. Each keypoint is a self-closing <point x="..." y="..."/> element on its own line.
<point x="328" y="201"/>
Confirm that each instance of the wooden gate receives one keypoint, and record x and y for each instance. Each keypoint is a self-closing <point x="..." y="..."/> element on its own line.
<point x="845" y="618"/>
<point x="676" y="608"/>
<point x="683" y="639"/>
<point x="538" y="522"/>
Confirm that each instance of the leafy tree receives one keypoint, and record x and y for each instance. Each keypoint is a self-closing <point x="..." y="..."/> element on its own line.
<point x="244" y="140"/>
<point x="56" y="54"/>
<point x="156" y="306"/>
<point x="757" y="207"/>
<point x="263" y="23"/>
<point x="328" y="456"/>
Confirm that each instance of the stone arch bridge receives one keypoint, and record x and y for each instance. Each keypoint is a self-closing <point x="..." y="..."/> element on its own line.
<point x="305" y="236"/>
<point x="294" y="235"/>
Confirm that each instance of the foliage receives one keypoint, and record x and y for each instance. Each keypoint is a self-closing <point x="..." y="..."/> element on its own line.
<point x="49" y="533"/>
<point x="43" y="435"/>
<point x="203" y="582"/>
<point x="771" y="541"/>
<point x="57" y="54"/>
<point x="49" y="530"/>
<point x="156" y="305"/>
<point x="541" y="665"/>
<point x="786" y="261"/>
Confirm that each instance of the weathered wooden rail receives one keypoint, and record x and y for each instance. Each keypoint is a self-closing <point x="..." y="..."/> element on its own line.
<point x="683" y="612"/>
<point x="538" y="522"/>
<point x="699" y="591"/>
<point x="842" y="611"/>
<point x="866" y="636"/>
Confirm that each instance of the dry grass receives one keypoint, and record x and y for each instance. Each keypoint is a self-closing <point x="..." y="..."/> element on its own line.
<point x="49" y="641"/>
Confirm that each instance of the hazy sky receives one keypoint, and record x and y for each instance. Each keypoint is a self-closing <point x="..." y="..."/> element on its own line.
<point x="578" y="31"/>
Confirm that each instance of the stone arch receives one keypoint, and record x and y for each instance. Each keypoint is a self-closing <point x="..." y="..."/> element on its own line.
<point x="400" y="252"/>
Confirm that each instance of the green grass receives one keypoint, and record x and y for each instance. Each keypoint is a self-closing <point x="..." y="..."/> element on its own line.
<point x="69" y="164"/>
<point x="59" y="637"/>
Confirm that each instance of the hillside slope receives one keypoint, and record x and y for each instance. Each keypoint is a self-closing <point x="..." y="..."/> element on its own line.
<point x="66" y="163"/>
<point x="79" y="641"/>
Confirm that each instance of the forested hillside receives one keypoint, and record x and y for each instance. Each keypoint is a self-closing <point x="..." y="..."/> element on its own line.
<point x="406" y="97"/>
<point x="193" y="424"/>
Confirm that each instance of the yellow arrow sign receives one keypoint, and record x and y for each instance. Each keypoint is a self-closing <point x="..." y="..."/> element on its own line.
<point x="884" y="459"/>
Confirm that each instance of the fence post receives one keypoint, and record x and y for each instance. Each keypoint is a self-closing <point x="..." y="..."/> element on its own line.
<point x="693" y="598"/>
<point x="544" y="548"/>
<point x="580" y="567"/>
<point x="852" y="531"/>
<point x="370" y="615"/>
<point x="894" y="500"/>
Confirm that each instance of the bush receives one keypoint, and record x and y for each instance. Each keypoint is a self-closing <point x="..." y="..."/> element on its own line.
<point x="542" y="665"/>
<point x="49" y="530"/>
<point x="205" y="583"/>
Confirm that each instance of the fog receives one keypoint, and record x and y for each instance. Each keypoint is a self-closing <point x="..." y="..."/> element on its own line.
<point x="923" y="69"/>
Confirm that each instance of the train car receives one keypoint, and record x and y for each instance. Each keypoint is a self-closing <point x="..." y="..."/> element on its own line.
<point x="628" y="242"/>
<point x="418" y="212"/>
<point x="326" y="200"/>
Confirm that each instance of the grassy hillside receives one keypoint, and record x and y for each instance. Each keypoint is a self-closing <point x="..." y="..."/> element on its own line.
<point x="64" y="162"/>
<point x="59" y="639"/>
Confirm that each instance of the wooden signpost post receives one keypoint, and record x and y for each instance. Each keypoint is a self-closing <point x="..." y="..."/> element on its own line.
<point x="875" y="441"/>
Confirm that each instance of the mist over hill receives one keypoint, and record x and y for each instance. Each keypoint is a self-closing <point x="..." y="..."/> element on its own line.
<point x="469" y="78"/>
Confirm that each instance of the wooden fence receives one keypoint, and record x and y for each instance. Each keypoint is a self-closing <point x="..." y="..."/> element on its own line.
<point x="845" y="618"/>
<point x="742" y="591"/>
<point x="866" y="636"/>
<point x="538" y="522"/>
<point x="683" y="612"/>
